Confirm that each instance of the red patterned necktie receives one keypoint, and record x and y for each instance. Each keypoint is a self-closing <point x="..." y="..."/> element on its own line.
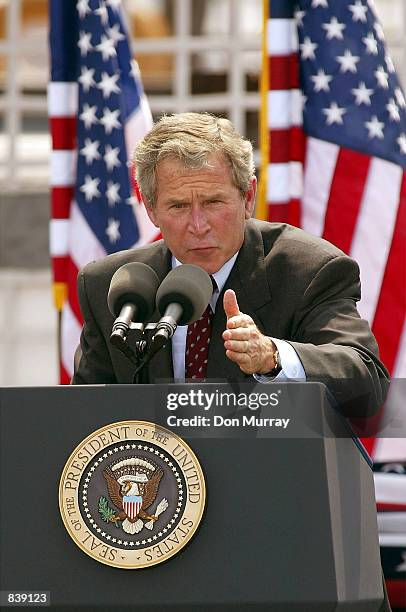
<point x="197" y="344"/>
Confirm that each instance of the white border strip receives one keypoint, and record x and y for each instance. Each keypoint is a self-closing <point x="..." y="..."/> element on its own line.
<point x="374" y="230"/>
<point x="63" y="168"/>
<point x="281" y="36"/>
<point x="70" y="334"/>
<point x="284" y="181"/>
<point x="317" y="185"/>
<point x="392" y="522"/>
<point x="83" y="244"/>
<point x="390" y="488"/>
<point x="62" y="99"/>
<point x="58" y="237"/>
<point x="395" y="540"/>
<point x="284" y="108"/>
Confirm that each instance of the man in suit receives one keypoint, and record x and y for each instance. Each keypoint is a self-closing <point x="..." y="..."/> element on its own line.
<point x="284" y="302"/>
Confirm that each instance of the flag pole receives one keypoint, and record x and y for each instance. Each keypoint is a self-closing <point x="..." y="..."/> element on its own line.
<point x="261" y="209"/>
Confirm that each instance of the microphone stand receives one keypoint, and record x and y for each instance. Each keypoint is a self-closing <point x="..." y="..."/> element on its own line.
<point x="165" y="329"/>
<point x="144" y="359"/>
<point x="145" y="348"/>
<point x="141" y="347"/>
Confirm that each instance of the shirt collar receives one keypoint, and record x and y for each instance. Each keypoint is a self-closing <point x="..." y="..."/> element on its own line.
<point x="220" y="276"/>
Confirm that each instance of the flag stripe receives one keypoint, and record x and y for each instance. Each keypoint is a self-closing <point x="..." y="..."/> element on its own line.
<point x="70" y="333"/>
<point x="63" y="132"/>
<point x="83" y="244"/>
<point x="392" y="539"/>
<point x="62" y="99"/>
<point x="393" y="290"/>
<point x="316" y="189"/>
<point x="58" y="237"/>
<point x="281" y="36"/>
<point x="61" y="198"/>
<point x="389" y="449"/>
<point x="350" y="192"/>
<point x="287" y="145"/>
<point x="59" y="265"/>
<point x="387" y="488"/>
<point x="371" y="242"/>
<point x="137" y="125"/>
<point x="63" y="168"/>
<point x="284" y="181"/>
<point x="64" y="376"/>
<point x="392" y="522"/>
<point x="72" y="274"/>
<point x="284" y="109"/>
<point x="285" y="212"/>
<point x="399" y="370"/>
<point x="283" y="72"/>
<point x="388" y="507"/>
<point x="396" y="590"/>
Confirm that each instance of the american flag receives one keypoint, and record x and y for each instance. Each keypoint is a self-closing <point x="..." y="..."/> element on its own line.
<point x="98" y="111"/>
<point x="333" y="149"/>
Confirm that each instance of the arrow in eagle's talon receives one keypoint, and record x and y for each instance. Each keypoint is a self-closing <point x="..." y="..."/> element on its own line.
<point x="161" y="507"/>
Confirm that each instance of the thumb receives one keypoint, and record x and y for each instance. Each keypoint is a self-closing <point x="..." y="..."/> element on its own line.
<point x="230" y="304"/>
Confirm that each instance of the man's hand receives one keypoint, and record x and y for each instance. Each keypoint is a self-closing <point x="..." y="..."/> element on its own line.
<point x="244" y="343"/>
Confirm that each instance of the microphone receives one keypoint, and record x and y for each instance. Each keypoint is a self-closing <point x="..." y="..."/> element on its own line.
<point x="131" y="297"/>
<point x="181" y="299"/>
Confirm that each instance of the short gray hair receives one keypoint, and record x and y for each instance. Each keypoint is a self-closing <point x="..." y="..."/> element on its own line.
<point x="192" y="138"/>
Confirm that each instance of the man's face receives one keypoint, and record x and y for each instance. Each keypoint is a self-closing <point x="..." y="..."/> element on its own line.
<point x="200" y="213"/>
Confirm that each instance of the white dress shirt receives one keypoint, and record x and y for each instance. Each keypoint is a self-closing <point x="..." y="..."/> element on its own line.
<point x="292" y="368"/>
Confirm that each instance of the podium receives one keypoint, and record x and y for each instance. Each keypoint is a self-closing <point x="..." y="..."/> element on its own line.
<point x="289" y="523"/>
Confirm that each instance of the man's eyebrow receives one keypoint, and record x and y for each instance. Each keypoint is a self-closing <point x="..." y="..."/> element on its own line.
<point x="176" y="201"/>
<point x="216" y="196"/>
<point x="213" y="196"/>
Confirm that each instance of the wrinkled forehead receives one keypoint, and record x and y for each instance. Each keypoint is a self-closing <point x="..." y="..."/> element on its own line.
<point x="174" y="180"/>
<point x="171" y="170"/>
<point x="200" y="161"/>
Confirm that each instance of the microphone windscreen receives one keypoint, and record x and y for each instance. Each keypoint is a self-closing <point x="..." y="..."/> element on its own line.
<point x="134" y="283"/>
<point x="189" y="286"/>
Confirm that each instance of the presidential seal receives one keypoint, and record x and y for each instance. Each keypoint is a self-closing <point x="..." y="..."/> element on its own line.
<point x="132" y="494"/>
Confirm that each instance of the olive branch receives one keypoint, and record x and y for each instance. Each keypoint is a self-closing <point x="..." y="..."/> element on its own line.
<point x="107" y="514"/>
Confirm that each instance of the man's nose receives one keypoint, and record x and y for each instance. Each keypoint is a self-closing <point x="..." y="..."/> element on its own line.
<point x="198" y="221"/>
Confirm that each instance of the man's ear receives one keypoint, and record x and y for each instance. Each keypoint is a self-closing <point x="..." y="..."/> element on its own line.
<point x="250" y="198"/>
<point x="150" y="210"/>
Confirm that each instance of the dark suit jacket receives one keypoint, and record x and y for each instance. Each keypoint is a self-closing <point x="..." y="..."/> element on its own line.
<point x="296" y="287"/>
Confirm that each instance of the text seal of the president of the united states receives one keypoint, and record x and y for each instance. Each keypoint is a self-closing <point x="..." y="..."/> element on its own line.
<point x="132" y="494"/>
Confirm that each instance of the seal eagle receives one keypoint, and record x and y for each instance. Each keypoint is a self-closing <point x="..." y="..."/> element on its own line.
<point x="133" y="484"/>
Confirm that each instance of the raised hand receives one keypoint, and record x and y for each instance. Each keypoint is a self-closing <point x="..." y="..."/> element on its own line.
<point x="244" y="343"/>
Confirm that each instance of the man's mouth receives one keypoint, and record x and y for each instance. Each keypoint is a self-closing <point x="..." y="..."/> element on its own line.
<point x="202" y="248"/>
